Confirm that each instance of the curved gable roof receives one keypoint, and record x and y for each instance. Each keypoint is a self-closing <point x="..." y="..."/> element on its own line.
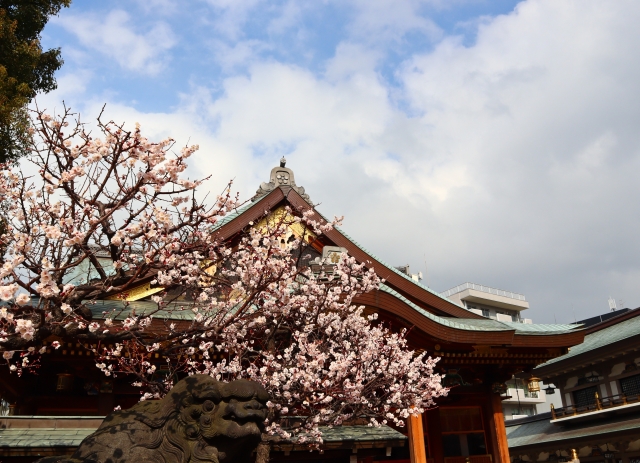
<point x="471" y="330"/>
<point x="252" y="211"/>
<point x="406" y="297"/>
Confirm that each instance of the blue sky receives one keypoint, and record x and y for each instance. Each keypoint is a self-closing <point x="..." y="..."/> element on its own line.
<point x="178" y="48"/>
<point x="486" y="141"/>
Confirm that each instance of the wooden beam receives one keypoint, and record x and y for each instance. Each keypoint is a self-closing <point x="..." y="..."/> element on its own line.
<point x="416" y="439"/>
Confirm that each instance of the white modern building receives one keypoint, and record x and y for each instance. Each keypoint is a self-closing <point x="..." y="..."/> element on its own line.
<point x="503" y="306"/>
<point x="521" y="402"/>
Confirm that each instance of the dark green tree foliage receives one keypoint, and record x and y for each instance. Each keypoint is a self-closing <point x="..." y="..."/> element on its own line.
<point x="25" y="69"/>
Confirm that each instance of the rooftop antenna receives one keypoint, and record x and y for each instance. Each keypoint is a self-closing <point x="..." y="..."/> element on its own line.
<point x="426" y="273"/>
<point x="574" y="314"/>
<point x="612" y="304"/>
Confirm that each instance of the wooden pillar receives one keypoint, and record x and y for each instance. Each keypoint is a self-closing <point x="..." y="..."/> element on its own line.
<point x="416" y="439"/>
<point x="498" y="431"/>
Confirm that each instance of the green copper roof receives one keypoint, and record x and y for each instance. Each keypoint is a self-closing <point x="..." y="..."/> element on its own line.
<point x="486" y="324"/>
<point x="543" y="433"/>
<point x="175" y="310"/>
<point x="182" y="311"/>
<point x="360" y="433"/>
<point x="470" y="324"/>
<point x="534" y="328"/>
<point x="232" y="215"/>
<point x="42" y="437"/>
<point x="614" y="333"/>
<point x="24" y="437"/>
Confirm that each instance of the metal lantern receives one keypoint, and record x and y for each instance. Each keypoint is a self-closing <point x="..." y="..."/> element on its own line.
<point x="549" y="390"/>
<point x="533" y="384"/>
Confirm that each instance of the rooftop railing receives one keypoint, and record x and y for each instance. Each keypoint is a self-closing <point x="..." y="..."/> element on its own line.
<point x="598" y="404"/>
<point x="484" y="289"/>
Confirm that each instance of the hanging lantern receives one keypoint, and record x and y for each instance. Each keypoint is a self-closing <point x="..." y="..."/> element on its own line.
<point x="533" y="384"/>
<point x="549" y="390"/>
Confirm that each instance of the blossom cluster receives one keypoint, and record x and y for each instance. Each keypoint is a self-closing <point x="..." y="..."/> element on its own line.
<point x="106" y="214"/>
<point x="101" y="212"/>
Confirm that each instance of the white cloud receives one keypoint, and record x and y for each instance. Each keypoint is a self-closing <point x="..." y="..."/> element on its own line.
<point x="290" y="17"/>
<point x="158" y="7"/>
<point x="238" y="56"/>
<point x="114" y="36"/>
<point x="514" y="165"/>
<point x="232" y="15"/>
<point x="383" y="20"/>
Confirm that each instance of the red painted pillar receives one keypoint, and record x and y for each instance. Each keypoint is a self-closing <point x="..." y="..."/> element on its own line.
<point x="416" y="439"/>
<point x="498" y="431"/>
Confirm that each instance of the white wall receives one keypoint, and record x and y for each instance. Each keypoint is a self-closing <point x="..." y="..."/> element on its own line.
<point x="555" y="399"/>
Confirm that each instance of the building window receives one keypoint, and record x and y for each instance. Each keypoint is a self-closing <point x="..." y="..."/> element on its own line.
<point x="630" y="385"/>
<point x="585" y="397"/>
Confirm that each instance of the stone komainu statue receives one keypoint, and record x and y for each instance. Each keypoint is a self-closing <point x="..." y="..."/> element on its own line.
<point x="199" y="420"/>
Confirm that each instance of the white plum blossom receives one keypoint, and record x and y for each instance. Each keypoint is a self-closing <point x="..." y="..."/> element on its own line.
<point x="112" y="210"/>
<point x="7" y="292"/>
<point x="25" y="328"/>
<point x="22" y="299"/>
<point x="5" y="314"/>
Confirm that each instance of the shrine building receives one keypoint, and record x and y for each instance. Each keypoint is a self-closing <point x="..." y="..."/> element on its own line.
<point x="477" y="356"/>
<point x="598" y="382"/>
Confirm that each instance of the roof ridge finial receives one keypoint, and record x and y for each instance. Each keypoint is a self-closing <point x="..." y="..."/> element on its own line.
<point x="281" y="177"/>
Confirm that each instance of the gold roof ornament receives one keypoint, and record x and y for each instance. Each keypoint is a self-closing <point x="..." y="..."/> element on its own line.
<point x="136" y="293"/>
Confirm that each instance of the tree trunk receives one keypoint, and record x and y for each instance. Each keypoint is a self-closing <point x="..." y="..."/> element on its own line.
<point x="262" y="452"/>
